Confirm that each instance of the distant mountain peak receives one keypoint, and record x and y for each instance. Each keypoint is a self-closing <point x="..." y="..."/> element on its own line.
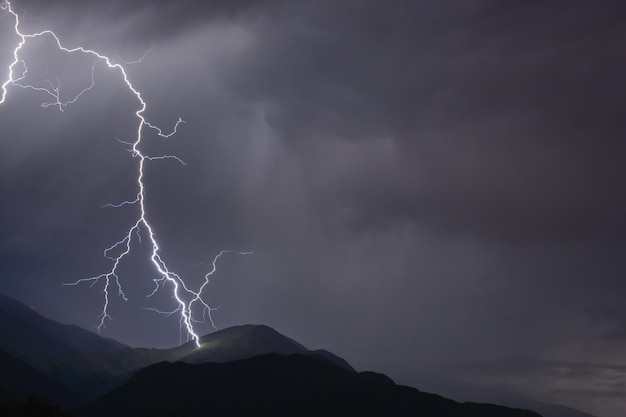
<point x="76" y="366"/>
<point x="246" y="341"/>
<point x="245" y="332"/>
<point x="275" y="385"/>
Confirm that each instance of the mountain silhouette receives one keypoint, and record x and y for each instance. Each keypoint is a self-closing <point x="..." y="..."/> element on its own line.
<point x="233" y="343"/>
<point x="66" y="353"/>
<point x="275" y="385"/>
<point x="18" y="381"/>
<point x="92" y="365"/>
<point x="249" y="370"/>
<point x="241" y="342"/>
<point x="34" y="325"/>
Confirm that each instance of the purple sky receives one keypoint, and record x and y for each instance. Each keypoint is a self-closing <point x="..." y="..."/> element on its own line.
<point x="424" y="183"/>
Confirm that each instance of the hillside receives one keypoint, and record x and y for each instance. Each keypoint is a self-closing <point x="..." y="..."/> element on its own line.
<point x="19" y="380"/>
<point x="242" y="370"/>
<point x="71" y="336"/>
<point x="275" y="385"/>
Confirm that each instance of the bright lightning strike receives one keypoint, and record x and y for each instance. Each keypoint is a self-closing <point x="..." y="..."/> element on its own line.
<point x="187" y="299"/>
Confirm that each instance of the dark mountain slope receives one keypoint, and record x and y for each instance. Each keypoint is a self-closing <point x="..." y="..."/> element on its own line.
<point x="233" y="343"/>
<point x="18" y="381"/>
<point x="274" y="385"/>
<point x="241" y="342"/>
<point x="237" y="343"/>
<point x="92" y="365"/>
<point x="450" y="382"/>
<point x="62" y="352"/>
<point x="72" y="336"/>
<point x="57" y="361"/>
<point x="46" y="344"/>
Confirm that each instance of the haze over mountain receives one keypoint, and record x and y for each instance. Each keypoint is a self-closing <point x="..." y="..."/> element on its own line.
<point x="242" y="370"/>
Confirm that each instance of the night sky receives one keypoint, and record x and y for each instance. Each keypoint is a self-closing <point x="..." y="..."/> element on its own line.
<point x="428" y="186"/>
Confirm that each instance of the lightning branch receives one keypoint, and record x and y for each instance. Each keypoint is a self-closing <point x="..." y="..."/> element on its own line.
<point x="190" y="305"/>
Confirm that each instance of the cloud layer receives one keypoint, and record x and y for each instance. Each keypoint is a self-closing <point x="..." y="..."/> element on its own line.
<point x="420" y="181"/>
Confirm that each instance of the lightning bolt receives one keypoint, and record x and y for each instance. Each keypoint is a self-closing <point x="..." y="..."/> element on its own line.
<point x="187" y="300"/>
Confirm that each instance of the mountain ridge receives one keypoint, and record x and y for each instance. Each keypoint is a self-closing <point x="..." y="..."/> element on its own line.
<point x="274" y="385"/>
<point x="76" y="368"/>
<point x="72" y="335"/>
<point x="18" y="380"/>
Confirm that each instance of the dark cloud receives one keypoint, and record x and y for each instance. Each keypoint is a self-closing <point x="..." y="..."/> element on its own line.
<point x="610" y="322"/>
<point x="421" y="181"/>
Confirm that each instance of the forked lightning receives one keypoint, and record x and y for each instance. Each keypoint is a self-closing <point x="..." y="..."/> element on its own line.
<point x="188" y="300"/>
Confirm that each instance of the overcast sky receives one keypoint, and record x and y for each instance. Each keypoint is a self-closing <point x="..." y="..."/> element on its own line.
<point x="422" y="182"/>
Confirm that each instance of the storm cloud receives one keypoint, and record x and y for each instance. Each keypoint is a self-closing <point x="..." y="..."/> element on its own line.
<point x="421" y="182"/>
